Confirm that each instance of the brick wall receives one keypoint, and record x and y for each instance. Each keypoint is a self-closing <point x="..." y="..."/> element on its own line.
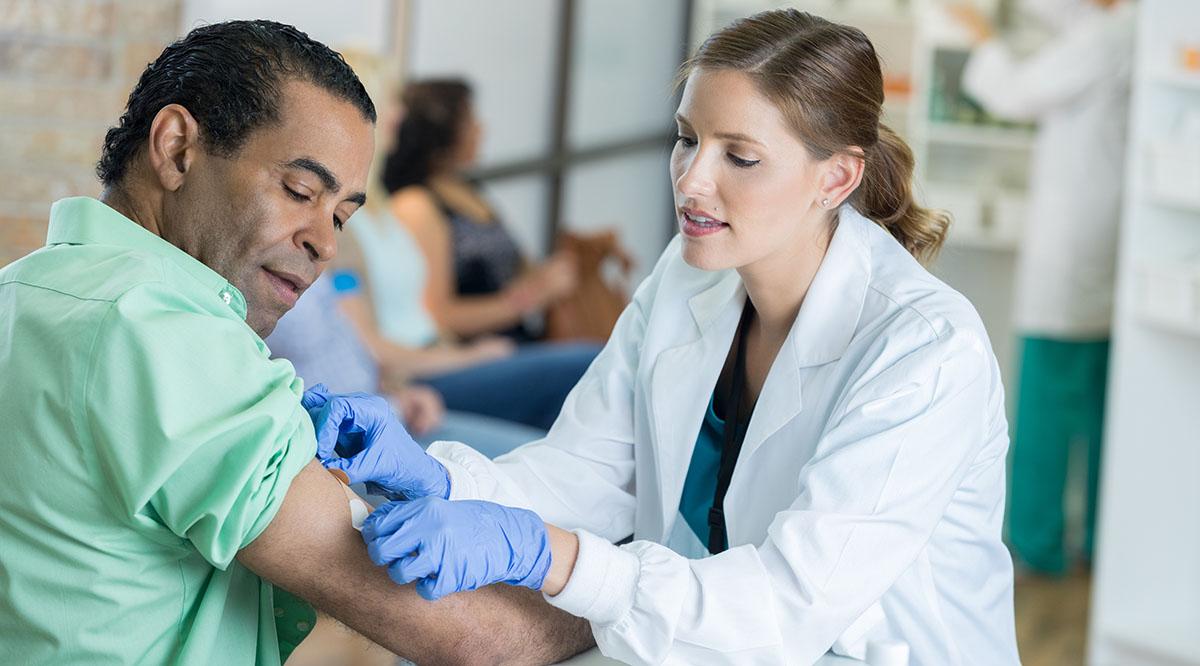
<point x="66" y="67"/>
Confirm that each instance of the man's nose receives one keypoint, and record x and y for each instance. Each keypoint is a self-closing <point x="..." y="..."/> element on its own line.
<point x="319" y="239"/>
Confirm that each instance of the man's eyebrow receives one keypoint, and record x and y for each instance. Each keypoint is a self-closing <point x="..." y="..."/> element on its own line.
<point x="321" y="171"/>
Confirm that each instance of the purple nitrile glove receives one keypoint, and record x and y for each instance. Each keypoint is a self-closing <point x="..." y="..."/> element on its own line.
<point x="359" y="434"/>
<point x="448" y="547"/>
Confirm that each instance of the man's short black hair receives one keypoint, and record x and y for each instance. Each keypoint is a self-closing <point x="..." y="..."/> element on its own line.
<point x="230" y="77"/>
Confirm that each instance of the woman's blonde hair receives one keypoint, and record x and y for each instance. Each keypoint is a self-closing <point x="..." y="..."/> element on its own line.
<point x="826" y="80"/>
<point x="380" y="77"/>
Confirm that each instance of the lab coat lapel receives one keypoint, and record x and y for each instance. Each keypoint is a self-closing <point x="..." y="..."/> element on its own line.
<point x="682" y="382"/>
<point x="822" y="330"/>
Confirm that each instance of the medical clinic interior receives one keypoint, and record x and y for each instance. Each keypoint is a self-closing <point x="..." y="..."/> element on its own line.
<point x="628" y="331"/>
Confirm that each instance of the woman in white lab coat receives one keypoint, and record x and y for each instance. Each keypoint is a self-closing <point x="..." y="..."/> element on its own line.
<point x="1077" y="90"/>
<point x="787" y="342"/>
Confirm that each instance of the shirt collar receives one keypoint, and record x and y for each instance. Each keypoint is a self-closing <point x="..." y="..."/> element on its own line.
<point x="88" y="221"/>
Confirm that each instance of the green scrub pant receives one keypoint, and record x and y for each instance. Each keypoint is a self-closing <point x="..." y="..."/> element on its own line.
<point x="1060" y="410"/>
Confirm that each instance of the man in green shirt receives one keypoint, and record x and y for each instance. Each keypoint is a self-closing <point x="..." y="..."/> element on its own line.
<point x="160" y="474"/>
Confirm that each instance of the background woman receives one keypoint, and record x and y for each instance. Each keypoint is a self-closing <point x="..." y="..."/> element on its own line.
<point x="382" y="277"/>
<point x="477" y="280"/>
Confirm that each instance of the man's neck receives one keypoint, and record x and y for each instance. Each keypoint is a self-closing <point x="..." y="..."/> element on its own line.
<point x="134" y="208"/>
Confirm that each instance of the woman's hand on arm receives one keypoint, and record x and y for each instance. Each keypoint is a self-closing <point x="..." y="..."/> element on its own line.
<point x="359" y="435"/>
<point x="456" y="546"/>
<point x="311" y="550"/>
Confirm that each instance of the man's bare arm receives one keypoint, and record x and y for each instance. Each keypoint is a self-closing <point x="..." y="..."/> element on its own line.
<point x="311" y="550"/>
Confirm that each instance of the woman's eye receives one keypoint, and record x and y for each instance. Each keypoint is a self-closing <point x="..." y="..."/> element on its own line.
<point x="295" y="195"/>
<point x="338" y="224"/>
<point x="685" y="140"/>
<point x="741" y="163"/>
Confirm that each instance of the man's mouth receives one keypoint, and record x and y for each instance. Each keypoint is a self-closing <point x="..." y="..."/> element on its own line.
<point x="288" y="286"/>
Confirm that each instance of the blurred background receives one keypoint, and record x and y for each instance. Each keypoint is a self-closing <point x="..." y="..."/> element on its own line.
<point x="575" y="99"/>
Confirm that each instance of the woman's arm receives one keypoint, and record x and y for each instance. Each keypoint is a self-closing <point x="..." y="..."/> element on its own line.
<point x="1026" y="88"/>
<point x="400" y="361"/>
<point x="466" y="316"/>
<point x="885" y="471"/>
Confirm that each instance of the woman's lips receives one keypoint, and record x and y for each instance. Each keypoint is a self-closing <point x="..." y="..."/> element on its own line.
<point x="697" y="224"/>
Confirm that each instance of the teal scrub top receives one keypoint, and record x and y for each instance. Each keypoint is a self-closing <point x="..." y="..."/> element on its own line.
<point x="701" y="482"/>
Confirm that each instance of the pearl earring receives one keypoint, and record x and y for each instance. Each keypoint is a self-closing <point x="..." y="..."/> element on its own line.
<point x="824" y="203"/>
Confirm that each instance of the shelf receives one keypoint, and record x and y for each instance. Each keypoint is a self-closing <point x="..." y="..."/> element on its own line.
<point x="1177" y="78"/>
<point x="1174" y="200"/>
<point x="1174" y="643"/>
<point x="1169" y="295"/>
<point x="1170" y="324"/>
<point x="979" y="136"/>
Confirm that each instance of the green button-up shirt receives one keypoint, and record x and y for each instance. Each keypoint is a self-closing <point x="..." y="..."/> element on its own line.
<point x="146" y="438"/>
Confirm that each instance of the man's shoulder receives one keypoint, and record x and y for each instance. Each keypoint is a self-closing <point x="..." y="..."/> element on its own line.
<point x="83" y="272"/>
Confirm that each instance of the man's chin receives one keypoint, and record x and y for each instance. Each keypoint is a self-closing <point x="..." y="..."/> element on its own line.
<point x="263" y="321"/>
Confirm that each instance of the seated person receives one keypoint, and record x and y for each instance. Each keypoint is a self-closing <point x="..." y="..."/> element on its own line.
<point x="474" y="375"/>
<point x="380" y="262"/>
<point x="161" y="479"/>
<point x="478" y="282"/>
<point x="324" y="348"/>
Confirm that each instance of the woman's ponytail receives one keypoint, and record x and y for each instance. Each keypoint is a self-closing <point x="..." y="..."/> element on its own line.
<point x="885" y="196"/>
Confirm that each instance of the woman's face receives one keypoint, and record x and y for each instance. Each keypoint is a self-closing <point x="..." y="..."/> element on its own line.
<point x="470" y="135"/>
<point x="745" y="186"/>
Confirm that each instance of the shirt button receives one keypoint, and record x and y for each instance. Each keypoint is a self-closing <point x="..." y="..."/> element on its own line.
<point x="227" y="297"/>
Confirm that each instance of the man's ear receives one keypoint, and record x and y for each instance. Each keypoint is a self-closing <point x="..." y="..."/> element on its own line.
<point x="174" y="142"/>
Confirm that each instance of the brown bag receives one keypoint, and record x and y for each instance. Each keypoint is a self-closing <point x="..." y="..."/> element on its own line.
<point x="592" y="310"/>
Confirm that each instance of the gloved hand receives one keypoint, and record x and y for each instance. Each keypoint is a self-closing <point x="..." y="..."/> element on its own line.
<point x="454" y="546"/>
<point x="359" y="434"/>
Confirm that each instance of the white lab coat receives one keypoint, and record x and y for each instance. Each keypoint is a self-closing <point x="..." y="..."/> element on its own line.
<point x="867" y="499"/>
<point x="1077" y="89"/>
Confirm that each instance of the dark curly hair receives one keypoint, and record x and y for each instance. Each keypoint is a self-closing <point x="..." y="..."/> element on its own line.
<point x="433" y="115"/>
<point x="229" y="76"/>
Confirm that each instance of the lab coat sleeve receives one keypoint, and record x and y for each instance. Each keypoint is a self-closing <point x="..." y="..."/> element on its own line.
<point x="1025" y="89"/>
<point x="581" y="475"/>
<point x="884" y="473"/>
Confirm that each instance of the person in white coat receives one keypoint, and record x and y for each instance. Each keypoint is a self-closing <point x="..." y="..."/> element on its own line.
<point x="800" y="427"/>
<point x="1076" y="88"/>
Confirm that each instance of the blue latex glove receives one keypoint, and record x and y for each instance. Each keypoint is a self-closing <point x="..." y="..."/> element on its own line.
<point x="448" y="547"/>
<point x="359" y="434"/>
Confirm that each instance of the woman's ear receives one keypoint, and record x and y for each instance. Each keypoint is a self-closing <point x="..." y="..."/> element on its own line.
<point x="174" y="142"/>
<point x="840" y="176"/>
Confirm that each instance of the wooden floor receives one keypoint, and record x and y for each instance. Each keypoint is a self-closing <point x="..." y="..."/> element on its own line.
<point x="1052" y="619"/>
<point x="1051" y="629"/>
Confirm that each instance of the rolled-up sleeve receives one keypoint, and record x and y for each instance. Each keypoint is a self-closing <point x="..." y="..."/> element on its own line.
<point x="196" y="431"/>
